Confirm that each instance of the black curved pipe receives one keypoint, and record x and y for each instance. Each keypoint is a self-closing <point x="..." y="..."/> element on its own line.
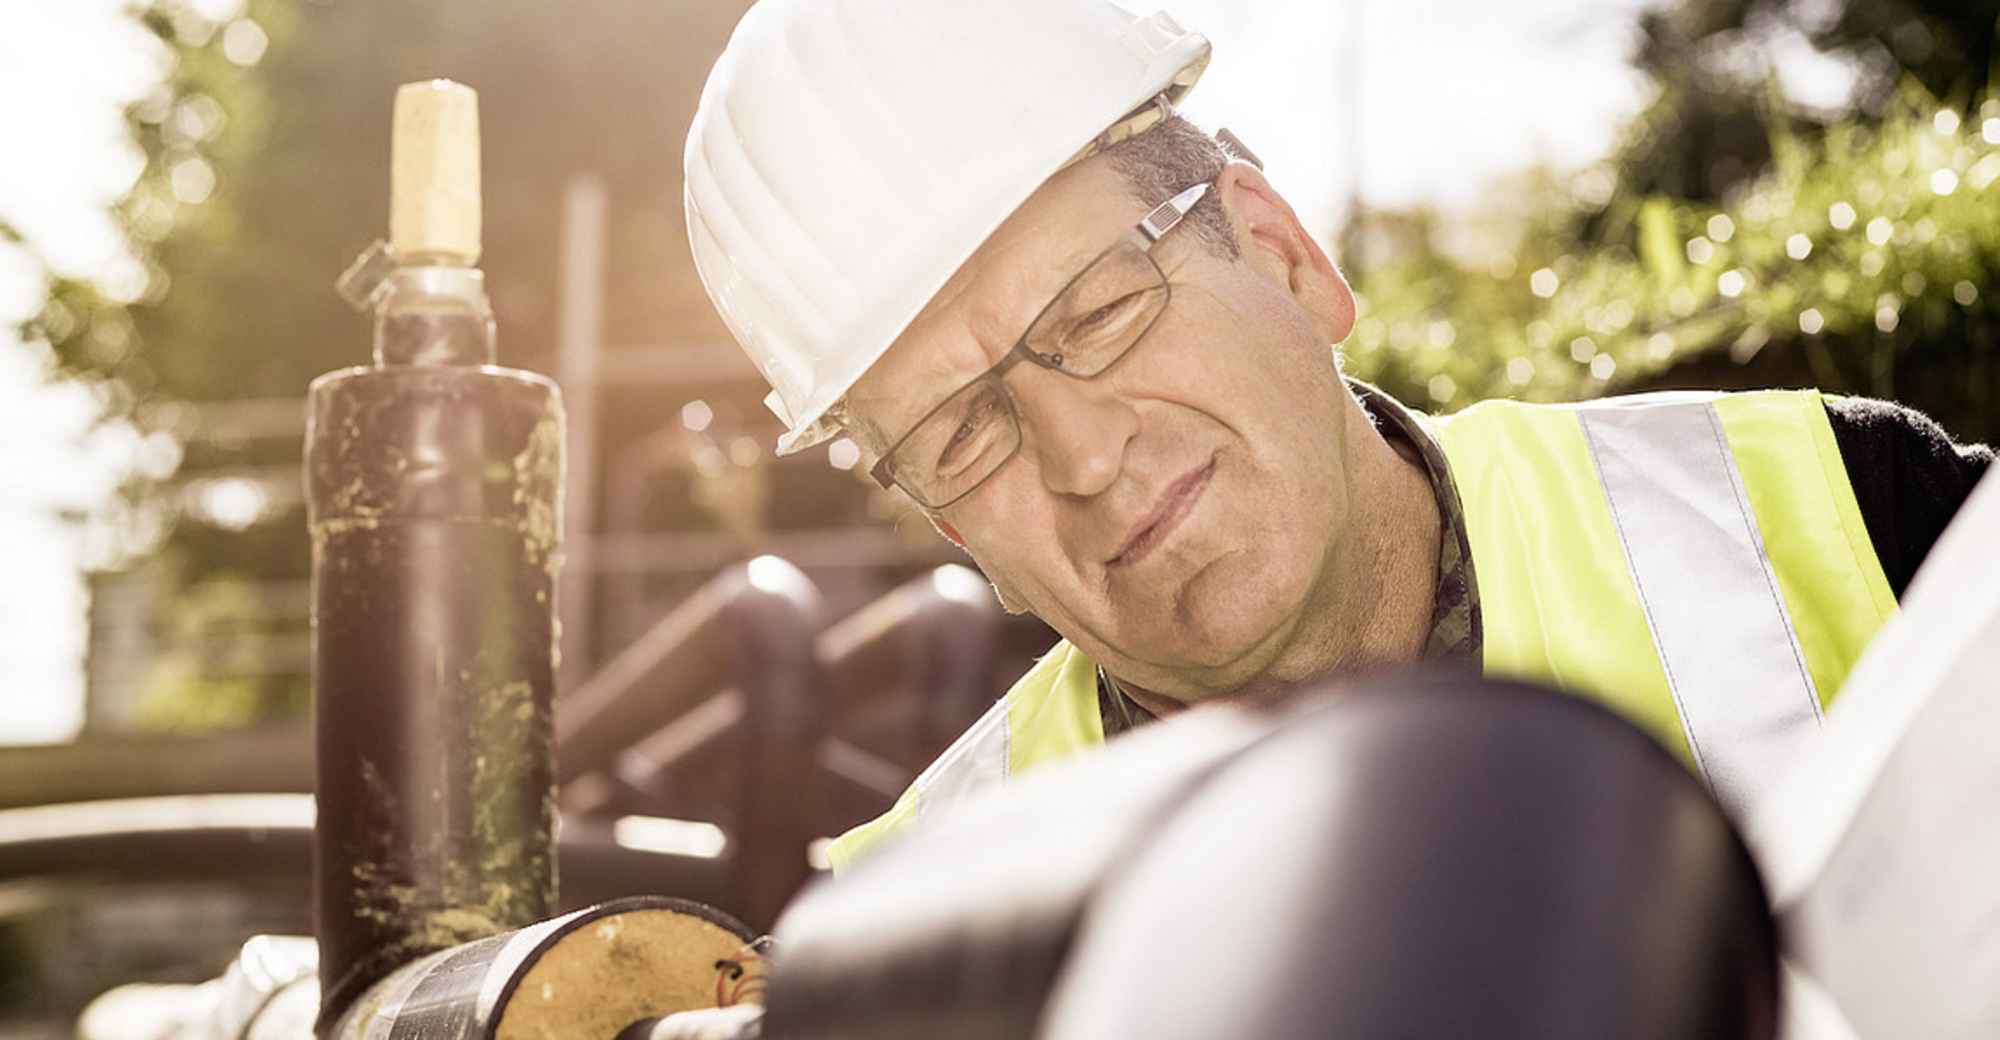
<point x="1418" y="858"/>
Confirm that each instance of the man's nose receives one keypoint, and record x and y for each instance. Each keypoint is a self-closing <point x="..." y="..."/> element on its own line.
<point x="1075" y="429"/>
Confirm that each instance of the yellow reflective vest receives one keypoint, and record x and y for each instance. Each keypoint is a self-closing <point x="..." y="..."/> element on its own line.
<point x="1696" y="561"/>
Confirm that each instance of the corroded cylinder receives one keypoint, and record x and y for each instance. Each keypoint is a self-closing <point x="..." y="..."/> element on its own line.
<point x="434" y="492"/>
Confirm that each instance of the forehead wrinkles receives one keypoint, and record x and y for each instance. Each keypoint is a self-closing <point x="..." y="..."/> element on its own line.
<point x="964" y="331"/>
<point x="990" y="300"/>
<point x="943" y="349"/>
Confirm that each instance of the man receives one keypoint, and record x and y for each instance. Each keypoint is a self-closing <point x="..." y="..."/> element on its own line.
<point x="1098" y="349"/>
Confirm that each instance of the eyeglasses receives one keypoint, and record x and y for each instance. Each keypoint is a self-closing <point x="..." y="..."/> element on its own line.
<point x="1097" y="318"/>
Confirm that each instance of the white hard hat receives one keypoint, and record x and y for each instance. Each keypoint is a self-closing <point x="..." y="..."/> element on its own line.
<point x="849" y="155"/>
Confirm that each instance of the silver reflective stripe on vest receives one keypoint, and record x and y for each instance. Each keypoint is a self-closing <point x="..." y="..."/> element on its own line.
<point x="1706" y="586"/>
<point x="974" y="762"/>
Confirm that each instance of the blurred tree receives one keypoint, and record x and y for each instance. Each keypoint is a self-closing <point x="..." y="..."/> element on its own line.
<point x="1753" y="229"/>
<point x="1862" y="261"/>
<point x="267" y="172"/>
<point x="1724" y="69"/>
<point x="92" y="325"/>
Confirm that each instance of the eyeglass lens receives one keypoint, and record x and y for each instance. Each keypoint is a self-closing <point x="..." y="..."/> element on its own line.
<point x="1096" y="320"/>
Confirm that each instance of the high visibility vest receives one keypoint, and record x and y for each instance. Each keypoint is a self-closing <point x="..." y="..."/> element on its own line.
<point x="1695" y="561"/>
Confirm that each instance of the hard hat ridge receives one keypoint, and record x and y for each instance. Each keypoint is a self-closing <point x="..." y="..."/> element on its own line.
<point x="849" y="155"/>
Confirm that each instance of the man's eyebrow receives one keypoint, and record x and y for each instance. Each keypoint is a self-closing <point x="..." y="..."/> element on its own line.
<point x="902" y="407"/>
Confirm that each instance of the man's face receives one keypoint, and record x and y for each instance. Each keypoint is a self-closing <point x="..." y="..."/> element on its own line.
<point x="1182" y="515"/>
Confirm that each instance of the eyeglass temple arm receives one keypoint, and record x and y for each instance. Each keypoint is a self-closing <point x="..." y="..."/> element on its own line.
<point x="1168" y="213"/>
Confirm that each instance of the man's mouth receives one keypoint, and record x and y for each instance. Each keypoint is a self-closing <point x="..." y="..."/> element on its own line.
<point x="1173" y="507"/>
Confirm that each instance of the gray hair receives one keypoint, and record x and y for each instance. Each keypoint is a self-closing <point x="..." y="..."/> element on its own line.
<point x="1167" y="157"/>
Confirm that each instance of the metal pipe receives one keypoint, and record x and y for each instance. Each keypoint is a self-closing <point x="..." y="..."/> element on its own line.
<point x="750" y="628"/>
<point x="1429" y="856"/>
<point x="434" y="493"/>
<point x="246" y="761"/>
<point x="263" y="843"/>
<point x="599" y="972"/>
<point x="715" y="713"/>
<point x="904" y="674"/>
<point x="433" y="484"/>
<point x="750" y="616"/>
<point x="916" y="666"/>
<point x="589" y="973"/>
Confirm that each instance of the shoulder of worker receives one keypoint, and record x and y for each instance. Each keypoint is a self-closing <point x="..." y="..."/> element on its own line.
<point x="1049" y="714"/>
<point x="1909" y="477"/>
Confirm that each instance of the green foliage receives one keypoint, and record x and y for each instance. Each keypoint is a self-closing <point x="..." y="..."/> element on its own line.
<point x="1746" y="236"/>
<point x="179" y="129"/>
<point x="1863" y="255"/>
<point x="100" y="330"/>
<point x="263" y="180"/>
<point x="1718" y="77"/>
<point x="214" y="671"/>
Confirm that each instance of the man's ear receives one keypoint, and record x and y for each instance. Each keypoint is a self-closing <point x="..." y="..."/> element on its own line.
<point x="1271" y="238"/>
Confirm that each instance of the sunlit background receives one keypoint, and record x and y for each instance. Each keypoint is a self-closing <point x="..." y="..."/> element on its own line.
<point x="1543" y="199"/>
<point x="1396" y="104"/>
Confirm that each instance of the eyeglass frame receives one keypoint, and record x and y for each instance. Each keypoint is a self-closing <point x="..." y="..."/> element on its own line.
<point x="1145" y="234"/>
